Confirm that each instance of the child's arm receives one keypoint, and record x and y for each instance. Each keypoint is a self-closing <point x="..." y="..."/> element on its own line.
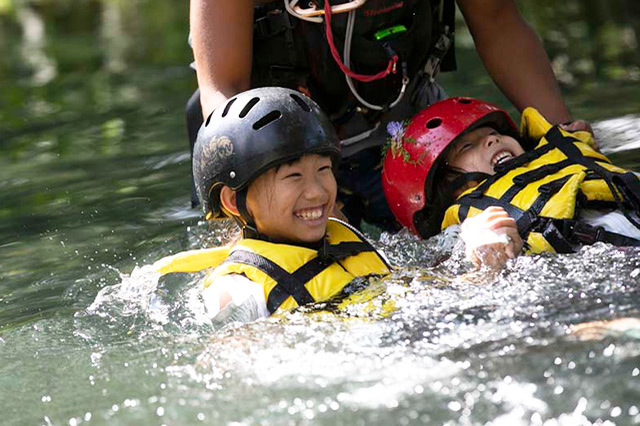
<point x="491" y="238"/>
<point x="234" y="298"/>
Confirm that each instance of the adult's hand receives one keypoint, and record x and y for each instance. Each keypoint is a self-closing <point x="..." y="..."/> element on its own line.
<point x="582" y="126"/>
<point x="577" y="126"/>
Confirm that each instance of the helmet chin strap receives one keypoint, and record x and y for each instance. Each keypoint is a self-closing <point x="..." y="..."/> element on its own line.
<point x="246" y="222"/>
<point x="463" y="179"/>
<point x="427" y="221"/>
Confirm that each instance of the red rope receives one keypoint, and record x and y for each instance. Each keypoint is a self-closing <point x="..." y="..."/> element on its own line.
<point x="391" y="66"/>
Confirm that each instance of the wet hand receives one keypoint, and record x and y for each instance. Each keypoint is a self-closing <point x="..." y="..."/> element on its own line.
<point x="491" y="238"/>
<point x="577" y="126"/>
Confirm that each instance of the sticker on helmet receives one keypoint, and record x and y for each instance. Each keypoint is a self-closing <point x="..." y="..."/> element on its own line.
<point x="217" y="150"/>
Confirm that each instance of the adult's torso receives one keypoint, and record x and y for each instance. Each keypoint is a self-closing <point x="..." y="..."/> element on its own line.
<point x="301" y="58"/>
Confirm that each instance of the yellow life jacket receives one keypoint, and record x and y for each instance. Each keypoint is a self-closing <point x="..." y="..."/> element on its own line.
<point x="290" y="275"/>
<point x="544" y="189"/>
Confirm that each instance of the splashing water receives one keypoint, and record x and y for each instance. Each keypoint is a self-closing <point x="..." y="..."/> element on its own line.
<point x="436" y="342"/>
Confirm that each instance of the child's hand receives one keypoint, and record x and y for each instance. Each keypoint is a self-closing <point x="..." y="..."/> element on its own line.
<point x="491" y="238"/>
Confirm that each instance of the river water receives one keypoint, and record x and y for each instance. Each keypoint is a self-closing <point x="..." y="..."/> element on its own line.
<point x="94" y="179"/>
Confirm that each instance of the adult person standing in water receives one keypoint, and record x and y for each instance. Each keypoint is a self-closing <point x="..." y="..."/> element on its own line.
<point x="365" y="63"/>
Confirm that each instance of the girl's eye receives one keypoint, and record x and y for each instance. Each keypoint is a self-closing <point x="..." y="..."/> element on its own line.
<point x="292" y="175"/>
<point x="465" y="146"/>
<point x="324" y="168"/>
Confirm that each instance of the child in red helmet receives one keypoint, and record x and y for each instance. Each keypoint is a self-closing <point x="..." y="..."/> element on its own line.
<point x="462" y="161"/>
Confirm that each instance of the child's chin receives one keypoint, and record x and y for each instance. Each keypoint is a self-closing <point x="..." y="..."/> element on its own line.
<point x="314" y="234"/>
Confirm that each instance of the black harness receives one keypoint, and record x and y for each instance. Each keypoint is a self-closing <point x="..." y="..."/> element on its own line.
<point x="292" y="53"/>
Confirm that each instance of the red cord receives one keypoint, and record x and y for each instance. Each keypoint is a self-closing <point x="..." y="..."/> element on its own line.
<point x="391" y="66"/>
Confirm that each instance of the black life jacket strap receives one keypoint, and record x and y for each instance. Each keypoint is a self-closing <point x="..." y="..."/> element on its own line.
<point x="522" y="159"/>
<point x="441" y="53"/>
<point x="566" y="235"/>
<point x="483" y="202"/>
<point x="583" y="233"/>
<point x="525" y="219"/>
<point x="465" y="178"/>
<point x="530" y="218"/>
<point x="287" y="285"/>
<point x="271" y="20"/>
<point x="293" y="284"/>
<point x="326" y="257"/>
<point x="554" y="236"/>
<point x="504" y="168"/>
<point x="526" y="178"/>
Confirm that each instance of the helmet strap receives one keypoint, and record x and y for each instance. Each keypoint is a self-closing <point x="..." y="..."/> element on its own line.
<point x="428" y="220"/>
<point x="465" y="178"/>
<point x="246" y="223"/>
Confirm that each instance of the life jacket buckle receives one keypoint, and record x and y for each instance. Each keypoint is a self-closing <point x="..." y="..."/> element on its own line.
<point x="518" y="180"/>
<point x="325" y="253"/>
<point x="586" y="234"/>
<point x="546" y="189"/>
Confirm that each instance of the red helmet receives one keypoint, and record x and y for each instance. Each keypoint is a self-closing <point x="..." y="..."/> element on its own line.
<point x="409" y="165"/>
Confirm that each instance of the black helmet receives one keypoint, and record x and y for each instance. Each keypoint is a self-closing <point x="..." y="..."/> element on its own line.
<point x="253" y="132"/>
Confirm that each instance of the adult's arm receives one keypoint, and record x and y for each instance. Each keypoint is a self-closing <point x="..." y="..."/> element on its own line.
<point x="222" y="39"/>
<point x="514" y="56"/>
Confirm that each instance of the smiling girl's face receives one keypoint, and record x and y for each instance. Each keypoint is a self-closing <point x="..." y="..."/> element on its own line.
<point x="481" y="150"/>
<point x="292" y="203"/>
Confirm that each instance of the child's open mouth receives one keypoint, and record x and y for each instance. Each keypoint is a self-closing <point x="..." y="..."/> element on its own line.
<point x="501" y="157"/>
<point x="309" y="214"/>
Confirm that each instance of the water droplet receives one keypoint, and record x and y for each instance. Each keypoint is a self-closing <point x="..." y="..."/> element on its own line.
<point x="454" y="406"/>
<point x="609" y="350"/>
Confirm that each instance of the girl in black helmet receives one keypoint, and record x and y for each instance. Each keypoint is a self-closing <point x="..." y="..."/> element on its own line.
<point x="265" y="159"/>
